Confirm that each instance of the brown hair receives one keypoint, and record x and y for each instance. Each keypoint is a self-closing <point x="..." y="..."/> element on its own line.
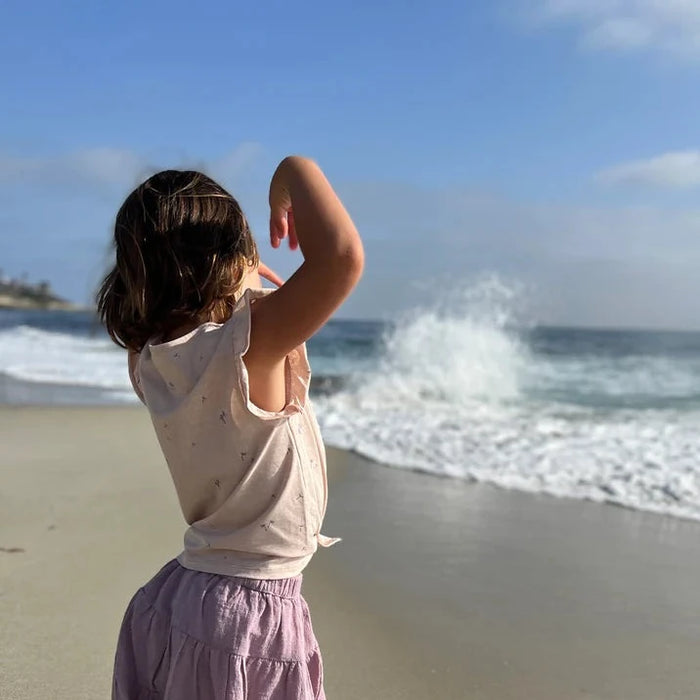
<point x="182" y="248"/>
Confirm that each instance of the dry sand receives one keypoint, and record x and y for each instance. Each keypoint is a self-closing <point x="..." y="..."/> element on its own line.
<point x="440" y="589"/>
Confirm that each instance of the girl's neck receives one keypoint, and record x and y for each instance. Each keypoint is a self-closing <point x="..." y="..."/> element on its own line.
<point x="250" y="281"/>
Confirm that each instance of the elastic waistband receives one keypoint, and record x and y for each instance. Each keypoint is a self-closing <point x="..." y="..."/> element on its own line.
<point x="282" y="587"/>
<point x="289" y="587"/>
<point x="267" y="573"/>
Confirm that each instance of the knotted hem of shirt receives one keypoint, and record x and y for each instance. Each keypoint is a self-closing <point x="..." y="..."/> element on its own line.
<point x="327" y="541"/>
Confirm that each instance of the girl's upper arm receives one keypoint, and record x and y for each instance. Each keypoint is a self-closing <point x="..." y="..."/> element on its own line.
<point x="333" y="261"/>
<point x="289" y="316"/>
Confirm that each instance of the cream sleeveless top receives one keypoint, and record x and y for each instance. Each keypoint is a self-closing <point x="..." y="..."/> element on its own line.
<point x="251" y="483"/>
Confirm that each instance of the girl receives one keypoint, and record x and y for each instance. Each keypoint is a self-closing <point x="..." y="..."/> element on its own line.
<point x="221" y="365"/>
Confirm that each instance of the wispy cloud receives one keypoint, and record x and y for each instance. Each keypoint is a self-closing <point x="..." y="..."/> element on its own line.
<point x="677" y="169"/>
<point x="604" y="265"/>
<point x="114" y="167"/>
<point x="582" y="264"/>
<point x="672" y="26"/>
<point x="237" y="162"/>
<point x="105" y="166"/>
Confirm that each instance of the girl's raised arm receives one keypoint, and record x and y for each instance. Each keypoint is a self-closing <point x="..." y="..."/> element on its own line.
<point x="304" y="207"/>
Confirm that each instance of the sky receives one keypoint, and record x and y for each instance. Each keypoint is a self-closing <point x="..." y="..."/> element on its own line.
<point x="552" y="143"/>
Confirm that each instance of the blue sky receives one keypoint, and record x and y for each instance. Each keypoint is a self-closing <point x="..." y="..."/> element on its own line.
<point x="553" y="142"/>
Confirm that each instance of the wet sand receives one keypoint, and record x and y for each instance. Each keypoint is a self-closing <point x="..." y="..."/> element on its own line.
<point x="439" y="589"/>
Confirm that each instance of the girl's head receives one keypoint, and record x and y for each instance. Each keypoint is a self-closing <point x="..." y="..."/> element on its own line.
<point x="183" y="248"/>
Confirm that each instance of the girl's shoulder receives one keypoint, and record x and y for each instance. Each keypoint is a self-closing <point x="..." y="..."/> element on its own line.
<point x="211" y="356"/>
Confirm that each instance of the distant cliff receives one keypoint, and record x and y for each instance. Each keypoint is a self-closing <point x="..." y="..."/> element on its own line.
<point x="20" y="294"/>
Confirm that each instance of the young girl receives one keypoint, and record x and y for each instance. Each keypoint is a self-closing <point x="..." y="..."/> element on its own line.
<point x="221" y="365"/>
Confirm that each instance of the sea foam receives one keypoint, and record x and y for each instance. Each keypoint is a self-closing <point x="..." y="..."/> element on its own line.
<point x="48" y="357"/>
<point x="459" y="393"/>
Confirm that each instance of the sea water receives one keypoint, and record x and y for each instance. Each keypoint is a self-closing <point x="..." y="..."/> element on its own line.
<point x="466" y="389"/>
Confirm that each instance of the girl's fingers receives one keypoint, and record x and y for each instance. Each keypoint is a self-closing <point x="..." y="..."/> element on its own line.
<point x="281" y="227"/>
<point x="293" y="240"/>
<point x="278" y="227"/>
<point x="265" y="272"/>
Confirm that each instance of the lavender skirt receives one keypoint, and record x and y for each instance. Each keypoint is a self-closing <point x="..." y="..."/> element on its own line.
<point x="188" y="635"/>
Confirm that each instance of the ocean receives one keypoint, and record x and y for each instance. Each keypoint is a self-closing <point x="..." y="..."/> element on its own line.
<point x="463" y="390"/>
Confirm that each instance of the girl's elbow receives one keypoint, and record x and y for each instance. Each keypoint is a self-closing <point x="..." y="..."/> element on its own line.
<point x="352" y="263"/>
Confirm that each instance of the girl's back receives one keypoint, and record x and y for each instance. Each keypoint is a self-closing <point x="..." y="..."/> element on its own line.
<point x="229" y="403"/>
<point x="251" y="482"/>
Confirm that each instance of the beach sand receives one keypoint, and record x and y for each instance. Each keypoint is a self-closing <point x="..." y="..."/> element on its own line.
<point x="440" y="589"/>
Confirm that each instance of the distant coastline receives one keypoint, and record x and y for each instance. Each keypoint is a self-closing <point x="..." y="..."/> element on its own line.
<point x="20" y="294"/>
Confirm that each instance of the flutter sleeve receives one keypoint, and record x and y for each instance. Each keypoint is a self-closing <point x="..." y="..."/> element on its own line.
<point x="135" y="375"/>
<point x="297" y="369"/>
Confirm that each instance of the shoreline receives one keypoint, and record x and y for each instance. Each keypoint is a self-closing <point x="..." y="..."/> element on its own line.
<point x="17" y="394"/>
<point x="529" y="595"/>
<point x="439" y="588"/>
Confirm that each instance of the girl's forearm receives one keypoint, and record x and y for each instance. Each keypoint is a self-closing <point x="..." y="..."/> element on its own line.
<point x="324" y="229"/>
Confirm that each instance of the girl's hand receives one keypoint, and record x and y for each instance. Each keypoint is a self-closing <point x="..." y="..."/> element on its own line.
<point x="266" y="273"/>
<point x="282" y="226"/>
<point x="281" y="217"/>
